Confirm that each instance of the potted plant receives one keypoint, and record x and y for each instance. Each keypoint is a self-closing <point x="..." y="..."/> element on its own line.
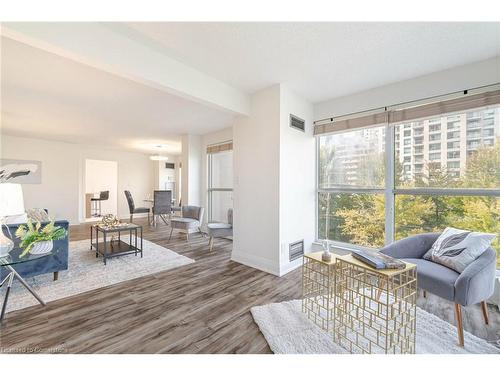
<point x="38" y="240"/>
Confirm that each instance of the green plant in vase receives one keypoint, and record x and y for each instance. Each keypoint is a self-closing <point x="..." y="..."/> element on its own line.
<point x="32" y="235"/>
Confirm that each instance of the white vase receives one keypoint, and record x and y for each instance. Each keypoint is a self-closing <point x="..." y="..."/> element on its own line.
<point x="43" y="247"/>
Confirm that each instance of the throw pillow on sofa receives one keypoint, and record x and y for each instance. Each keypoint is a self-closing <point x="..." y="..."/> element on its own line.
<point x="456" y="248"/>
<point x="38" y="214"/>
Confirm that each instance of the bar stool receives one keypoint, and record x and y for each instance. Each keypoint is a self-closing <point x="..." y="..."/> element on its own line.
<point x="103" y="196"/>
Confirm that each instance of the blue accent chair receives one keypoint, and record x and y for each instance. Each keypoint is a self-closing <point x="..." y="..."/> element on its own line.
<point x="474" y="285"/>
<point x="52" y="263"/>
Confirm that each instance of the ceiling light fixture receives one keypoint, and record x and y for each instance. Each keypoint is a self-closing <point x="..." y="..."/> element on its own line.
<point x="159" y="157"/>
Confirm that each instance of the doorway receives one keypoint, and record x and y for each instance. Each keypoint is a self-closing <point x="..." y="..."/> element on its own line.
<point x="100" y="176"/>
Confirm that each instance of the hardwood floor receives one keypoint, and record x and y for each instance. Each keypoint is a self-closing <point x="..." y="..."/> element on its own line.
<point x="203" y="307"/>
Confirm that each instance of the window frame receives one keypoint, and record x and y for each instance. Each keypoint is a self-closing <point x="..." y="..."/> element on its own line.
<point x="211" y="189"/>
<point x="389" y="148"/>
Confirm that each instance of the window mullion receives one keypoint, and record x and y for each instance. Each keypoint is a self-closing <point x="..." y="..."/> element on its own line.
<point x="389" y="184"/>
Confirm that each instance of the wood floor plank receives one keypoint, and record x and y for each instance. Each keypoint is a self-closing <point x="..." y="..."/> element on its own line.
<point x="203" y="307"/>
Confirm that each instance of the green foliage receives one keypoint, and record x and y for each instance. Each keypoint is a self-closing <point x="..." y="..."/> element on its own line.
<point x="31" y="234"/>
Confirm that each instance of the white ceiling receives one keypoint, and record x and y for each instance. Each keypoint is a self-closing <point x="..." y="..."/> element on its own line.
<point x="320" y="61"/>
<point x="47" y="96"/>
<point x="50" y="97"/>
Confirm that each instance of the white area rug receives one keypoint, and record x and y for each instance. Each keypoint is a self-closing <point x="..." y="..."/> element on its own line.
<point x="288" y="331"/>
<point x="86" y="272"/>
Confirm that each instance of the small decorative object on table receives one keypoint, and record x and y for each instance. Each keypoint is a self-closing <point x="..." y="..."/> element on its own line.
<point x="38" y="240"/>
<point x="110" y="220"/>
<point x="326" y="256"/>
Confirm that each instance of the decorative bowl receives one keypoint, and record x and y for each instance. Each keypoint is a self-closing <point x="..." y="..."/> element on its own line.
<point x="42" y="247"/>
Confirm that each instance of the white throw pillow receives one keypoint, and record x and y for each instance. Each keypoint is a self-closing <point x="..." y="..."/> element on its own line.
<point x="456" y="248"/>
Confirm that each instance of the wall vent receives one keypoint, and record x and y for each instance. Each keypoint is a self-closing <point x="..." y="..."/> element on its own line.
<point x="297" y="123"/>
<point x="170" y="165"/>
<point x="296" y="250"/>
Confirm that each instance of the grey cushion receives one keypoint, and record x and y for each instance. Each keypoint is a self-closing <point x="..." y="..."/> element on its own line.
<point x="219" y="230"/>
<point x="411" y="247"/>
<point x="184" y="223"/>
<point x="435" y="278"/>
<point x="215" y="226"/>
<point x="140" y="210"/>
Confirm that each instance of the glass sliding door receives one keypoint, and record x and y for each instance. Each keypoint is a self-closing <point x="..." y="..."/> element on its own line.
<point x="220" y="185"/>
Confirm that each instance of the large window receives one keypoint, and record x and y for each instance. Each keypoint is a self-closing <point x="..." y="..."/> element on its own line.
<point x="220" y="184"/>
<point x="369" y="197"/>
<point x="351" y="186"/>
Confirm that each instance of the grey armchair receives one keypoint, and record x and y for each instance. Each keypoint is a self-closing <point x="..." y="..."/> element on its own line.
<point x="192" y="217"/>
<point x="474" y="285"/>
<point x="216" y="230"/>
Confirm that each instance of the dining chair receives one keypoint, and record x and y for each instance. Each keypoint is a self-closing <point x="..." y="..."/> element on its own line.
<point x="162" y="205"/>
<point x="135" y="210"/>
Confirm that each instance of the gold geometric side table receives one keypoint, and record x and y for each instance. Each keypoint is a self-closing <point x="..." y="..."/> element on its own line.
<point x="318" y="290"/>
<point x="375" y="310"/>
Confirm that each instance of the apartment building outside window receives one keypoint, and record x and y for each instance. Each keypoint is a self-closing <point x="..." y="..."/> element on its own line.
<point x="435" y="156"/>
<point x="434" y="137"/>
<point x="459" y="188"/>
<point x="435" y="146"/>
<point x="434" y="128"/>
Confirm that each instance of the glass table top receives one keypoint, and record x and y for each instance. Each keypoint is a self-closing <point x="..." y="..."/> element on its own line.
<point x="115" y="228"/>
<point x="14" y="257"/>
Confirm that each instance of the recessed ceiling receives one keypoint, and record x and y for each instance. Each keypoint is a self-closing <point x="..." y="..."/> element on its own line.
<point x="50" y="97"/>
<point x="320" y="61"/>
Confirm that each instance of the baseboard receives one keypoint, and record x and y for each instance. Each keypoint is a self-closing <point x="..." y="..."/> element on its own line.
<point x="289" y="267"/>
<point x="254" y="261"/>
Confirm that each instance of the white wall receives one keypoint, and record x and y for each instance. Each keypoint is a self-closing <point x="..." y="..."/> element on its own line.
<point x="60" y="187"/>
<point x="464" y="77"/>
<point x="256" y="153"/>
<point x="274" y="183"/>
<point x="191" y="170"/>
<point x="297" y="178"/>
<point x="62" y="190"/>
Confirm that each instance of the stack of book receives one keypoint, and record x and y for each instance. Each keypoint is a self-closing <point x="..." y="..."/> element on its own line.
<point x="378" y="260"/>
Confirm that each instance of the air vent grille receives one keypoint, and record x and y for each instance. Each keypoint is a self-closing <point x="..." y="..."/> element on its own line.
<point x="297" y="123"/>
<point x="296" y="250"/>
<point x="170" y="165"/>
